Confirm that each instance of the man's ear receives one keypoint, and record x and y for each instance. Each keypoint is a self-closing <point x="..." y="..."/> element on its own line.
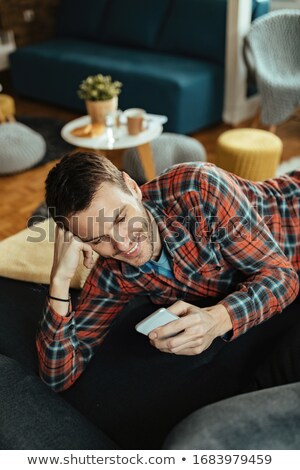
<point x="132" y="185"/>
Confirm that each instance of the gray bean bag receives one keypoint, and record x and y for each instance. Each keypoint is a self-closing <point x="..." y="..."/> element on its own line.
<point x="168" y="149"/>
<point x="20" y="148"/>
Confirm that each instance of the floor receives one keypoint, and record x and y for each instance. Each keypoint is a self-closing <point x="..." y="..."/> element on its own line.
<point x="22" y="193"/>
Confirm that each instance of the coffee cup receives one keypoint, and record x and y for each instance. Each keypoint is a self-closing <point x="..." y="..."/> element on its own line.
<point x="135" y="120"/>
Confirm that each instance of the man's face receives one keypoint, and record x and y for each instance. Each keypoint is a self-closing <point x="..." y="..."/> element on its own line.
<point x="117" y="225"/>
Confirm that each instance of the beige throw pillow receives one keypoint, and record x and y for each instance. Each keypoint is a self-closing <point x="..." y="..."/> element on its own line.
<point x="28" y="256"/>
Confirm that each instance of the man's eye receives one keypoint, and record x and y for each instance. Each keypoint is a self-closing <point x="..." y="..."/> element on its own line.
<point x="122" y="219"/>
<point x="96" y="242"/>
<point x="105" y="238"/>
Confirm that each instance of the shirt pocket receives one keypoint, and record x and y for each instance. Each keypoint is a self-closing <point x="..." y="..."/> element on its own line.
<point x="215" y="264"/>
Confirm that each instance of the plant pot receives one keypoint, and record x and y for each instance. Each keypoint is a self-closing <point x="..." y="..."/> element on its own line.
<point x="99" y="109"/>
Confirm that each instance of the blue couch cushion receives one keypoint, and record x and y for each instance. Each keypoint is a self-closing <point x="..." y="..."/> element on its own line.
<point x="133" y="22"/>
<point x="196" y="28"/>
<point x="189" y="91"/>
<point x="75" y="18"/>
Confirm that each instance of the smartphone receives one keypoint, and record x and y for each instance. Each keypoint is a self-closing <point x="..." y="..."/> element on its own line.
<point x="160" y="317"/>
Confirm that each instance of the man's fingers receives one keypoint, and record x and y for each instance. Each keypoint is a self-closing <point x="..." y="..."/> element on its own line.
<point x="173" y="328"/>
<point x="186" y="346"/>
<point x="189" y="351"/>
<point x="87" y="255"/>
<point x="58" y="235"/>
<point x="182" y="341"/>
<point x="179" y="308"/>
<point x="62" y="235"/>
<point x="59" y="231"/>
<point x="66" y="241"/>
<point x="190" y="348"/>
<point x="68" y="236"/>
<point x="179" y="342"/>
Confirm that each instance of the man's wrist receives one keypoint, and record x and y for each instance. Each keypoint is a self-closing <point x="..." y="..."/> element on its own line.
<point x="222" y="318"/>
<point x="59" y="287"/>
<point x="60" y="290"/>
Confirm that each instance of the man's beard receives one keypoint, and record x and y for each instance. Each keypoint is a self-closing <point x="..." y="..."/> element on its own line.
<point x="145" y="234"/>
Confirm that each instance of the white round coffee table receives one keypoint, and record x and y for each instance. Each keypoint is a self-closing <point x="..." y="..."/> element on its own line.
<point x="117" y="138"/>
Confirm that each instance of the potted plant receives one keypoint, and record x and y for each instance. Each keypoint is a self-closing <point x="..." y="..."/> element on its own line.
<point x="101" y="96"/>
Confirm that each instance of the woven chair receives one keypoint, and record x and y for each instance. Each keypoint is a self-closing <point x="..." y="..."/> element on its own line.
<point x="272" y="55"/>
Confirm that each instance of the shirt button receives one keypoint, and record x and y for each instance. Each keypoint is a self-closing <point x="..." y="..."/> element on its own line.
<point x="71" y="327"/>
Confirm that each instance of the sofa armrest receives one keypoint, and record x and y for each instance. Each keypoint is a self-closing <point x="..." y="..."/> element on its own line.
<point x="34" y="417"/>
<point x="267" y="419"/>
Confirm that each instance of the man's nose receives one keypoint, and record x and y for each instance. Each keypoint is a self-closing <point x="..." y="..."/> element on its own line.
<point x="122" y="243"/>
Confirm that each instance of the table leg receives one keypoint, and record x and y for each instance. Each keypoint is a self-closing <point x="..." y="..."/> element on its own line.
<point x="147" y="161"/>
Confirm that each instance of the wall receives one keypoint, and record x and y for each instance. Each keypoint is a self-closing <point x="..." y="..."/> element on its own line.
<point x="13" y="15"/>
<point x="277" y="4"/>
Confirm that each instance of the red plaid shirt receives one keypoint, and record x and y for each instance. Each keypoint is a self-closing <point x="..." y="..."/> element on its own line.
<point x="225" y="236"/>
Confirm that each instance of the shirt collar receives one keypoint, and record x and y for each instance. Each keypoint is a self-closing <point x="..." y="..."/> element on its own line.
<point x="173" y="233"/>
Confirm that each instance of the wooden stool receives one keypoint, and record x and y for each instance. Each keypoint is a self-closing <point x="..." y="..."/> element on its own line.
<point x="253" y="154"/>
<point x="7" y="108"/>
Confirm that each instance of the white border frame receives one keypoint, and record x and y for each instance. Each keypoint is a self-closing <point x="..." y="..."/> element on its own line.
<point x="237" y="106"/>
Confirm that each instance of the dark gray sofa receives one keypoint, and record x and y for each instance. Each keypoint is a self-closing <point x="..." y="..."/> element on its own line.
<point x="117" y="410"/>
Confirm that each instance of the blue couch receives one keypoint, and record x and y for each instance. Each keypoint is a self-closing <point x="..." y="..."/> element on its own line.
<point x="169" y="54"/>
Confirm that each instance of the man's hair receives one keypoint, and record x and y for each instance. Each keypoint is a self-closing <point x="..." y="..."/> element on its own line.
<point x="73" y="182"/>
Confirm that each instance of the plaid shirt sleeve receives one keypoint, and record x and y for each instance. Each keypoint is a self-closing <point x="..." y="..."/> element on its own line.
<point x="270" y="281"/>
<point x="66" y="344"/>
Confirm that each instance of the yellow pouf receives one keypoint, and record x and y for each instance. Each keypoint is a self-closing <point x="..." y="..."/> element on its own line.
<point x="253" y="154"/>
<point x="7" y="108"/>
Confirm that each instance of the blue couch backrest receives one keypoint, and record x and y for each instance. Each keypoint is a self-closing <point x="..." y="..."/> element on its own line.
<point x="80" y="19"/>
<point x="135" y="23"/>
<point x="191" y="27"/>
<point x="194" y="28"/>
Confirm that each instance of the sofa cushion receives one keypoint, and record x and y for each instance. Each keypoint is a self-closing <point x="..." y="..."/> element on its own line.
<point x="28" y="255"/>
<point x="76" y="20"/>
<point x="134" y="22"/>
<point x="196" y="28"/>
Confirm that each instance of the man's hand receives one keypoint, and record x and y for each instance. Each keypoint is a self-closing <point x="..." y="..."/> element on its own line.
<point x="197" y="328"/>
<point x="67" y="255"/>
<point x="67" y="251"/>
